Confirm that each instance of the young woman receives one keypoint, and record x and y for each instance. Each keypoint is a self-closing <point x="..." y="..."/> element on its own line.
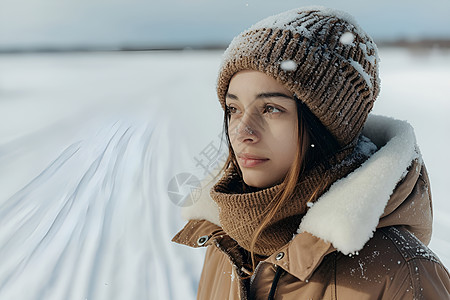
<point x="317" y="200"/>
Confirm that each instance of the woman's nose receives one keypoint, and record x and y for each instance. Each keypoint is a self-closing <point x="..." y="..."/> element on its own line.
<point x="245" y="132"/>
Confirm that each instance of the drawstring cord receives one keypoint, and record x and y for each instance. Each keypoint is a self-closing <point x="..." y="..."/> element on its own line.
<point x="275" y="282"/>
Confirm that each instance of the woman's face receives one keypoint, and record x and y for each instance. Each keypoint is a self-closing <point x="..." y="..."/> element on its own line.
<point x="262" y="127"/>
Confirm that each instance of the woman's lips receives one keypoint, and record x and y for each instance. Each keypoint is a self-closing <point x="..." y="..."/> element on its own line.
<point x="248" y="161"/>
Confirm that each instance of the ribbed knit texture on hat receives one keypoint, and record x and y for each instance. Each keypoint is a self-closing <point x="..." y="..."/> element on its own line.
<point x="241" y="213"/>
<point x="319" y="54"/>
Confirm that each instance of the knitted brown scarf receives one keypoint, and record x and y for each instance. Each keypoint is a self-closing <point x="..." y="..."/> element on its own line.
<point x="241" y="212"/>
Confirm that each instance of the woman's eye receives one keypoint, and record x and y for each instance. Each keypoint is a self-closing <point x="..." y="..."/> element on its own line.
<point x="271" y="109"/>
<point x="232" y="110"/>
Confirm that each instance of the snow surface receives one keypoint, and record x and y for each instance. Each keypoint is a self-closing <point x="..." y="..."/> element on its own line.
<point x="89" y="143"/>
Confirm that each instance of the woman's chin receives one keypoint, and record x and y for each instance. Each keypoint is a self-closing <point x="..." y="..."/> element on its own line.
<point x="259" y="183"/>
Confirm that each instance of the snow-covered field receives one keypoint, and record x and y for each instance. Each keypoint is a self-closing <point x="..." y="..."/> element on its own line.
<point x="89" y="143"/>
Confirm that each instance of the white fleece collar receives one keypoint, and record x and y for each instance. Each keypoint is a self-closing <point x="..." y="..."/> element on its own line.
<point x="348" y="213"/>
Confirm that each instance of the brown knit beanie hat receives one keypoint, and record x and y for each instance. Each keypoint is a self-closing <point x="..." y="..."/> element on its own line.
<point x="319" y="54"/>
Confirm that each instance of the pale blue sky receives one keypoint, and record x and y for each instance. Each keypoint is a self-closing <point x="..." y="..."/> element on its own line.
<point x="116" y="23"/>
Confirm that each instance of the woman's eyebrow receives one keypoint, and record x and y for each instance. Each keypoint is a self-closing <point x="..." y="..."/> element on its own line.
<point x="231" y="96"/>
<point x="273" y="95"/>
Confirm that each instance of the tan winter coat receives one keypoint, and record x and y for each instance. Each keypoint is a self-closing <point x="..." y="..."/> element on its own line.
<point x="363" y="239"/>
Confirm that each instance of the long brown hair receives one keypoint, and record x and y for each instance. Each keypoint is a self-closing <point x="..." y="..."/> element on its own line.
<point x="315" y="145"/>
